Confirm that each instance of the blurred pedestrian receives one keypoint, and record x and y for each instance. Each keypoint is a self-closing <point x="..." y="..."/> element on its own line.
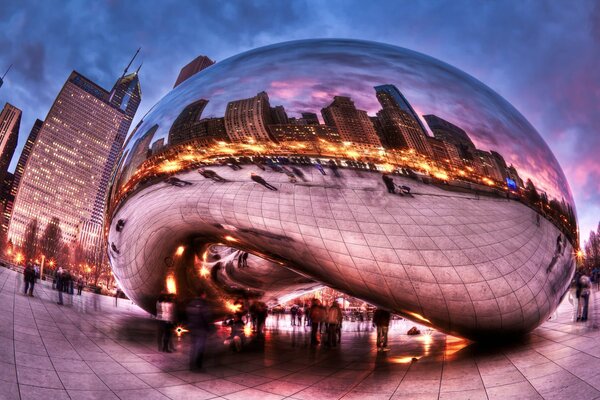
<point x="79" y="285"/>
<point x="381" y="319"/>
<point x="165" y="313"/>
<point x="334" y="317"/>
<point x="316" y="318"/>
<point x="29" y="278"/>
<point x="59" y="284"/>
<point x="584" y="297"/>
<point x="200" y="326"/>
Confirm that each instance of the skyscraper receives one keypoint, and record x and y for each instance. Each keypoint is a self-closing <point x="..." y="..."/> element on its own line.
<point x="195" y="66"/>
<point x="278" y="115"/>
<point x="16" y="179"/>
<point x="309" y="118"/>
<point x="352" y="124"/>
<point x="395" y="97"/>
<point x="400" y="124"/>
<point x="10" y="122"/>
<point x="445" y="153"/>
<point x="246" y="120"/>
<point x="449" y="132"/>
<point x="37" y="125"/>
<point x="187" y="124"/>
<point x="6" y="202"/>
<point x="66" y="175"/>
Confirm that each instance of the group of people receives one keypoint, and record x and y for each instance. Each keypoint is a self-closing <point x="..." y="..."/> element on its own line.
<point x="327" y="320"/>
<point x="65" y="282"/>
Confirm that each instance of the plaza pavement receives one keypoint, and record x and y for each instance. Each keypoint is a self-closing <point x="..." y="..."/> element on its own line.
<point x="90" y="349"/>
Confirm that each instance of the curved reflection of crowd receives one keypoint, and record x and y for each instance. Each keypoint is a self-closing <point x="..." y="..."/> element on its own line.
<point x="289" y="167"/>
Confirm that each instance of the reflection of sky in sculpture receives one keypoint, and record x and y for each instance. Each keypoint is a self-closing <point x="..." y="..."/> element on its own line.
<point x="304" y="76"/>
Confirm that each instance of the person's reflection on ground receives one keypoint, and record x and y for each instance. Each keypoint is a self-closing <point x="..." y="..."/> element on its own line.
<point x="261" y="181"/>
<point x="210" y="174"/>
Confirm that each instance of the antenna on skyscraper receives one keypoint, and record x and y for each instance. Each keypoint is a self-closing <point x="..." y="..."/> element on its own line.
<point x="140" y="67"/>
<point x="9" y="67"/>
<point x="130" y="62"/>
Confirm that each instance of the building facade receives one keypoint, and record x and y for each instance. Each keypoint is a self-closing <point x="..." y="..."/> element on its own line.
<point x="246" y="120"/>
<point x="10" y="122"/>
<point x="352" y="124"/>
<point x="191" y="69"/>
<point x="400" y="125"/>
<point x="66" y="174"/>
<point x="304" y="133"/>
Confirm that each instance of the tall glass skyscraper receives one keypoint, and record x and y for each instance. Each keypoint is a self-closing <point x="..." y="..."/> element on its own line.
<point x="10" y="122"/>
<point x="67" y="173"/>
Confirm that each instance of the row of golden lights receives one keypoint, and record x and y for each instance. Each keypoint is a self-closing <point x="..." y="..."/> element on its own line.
<point x="18" y="258"/>
<point x="387" y="160"/>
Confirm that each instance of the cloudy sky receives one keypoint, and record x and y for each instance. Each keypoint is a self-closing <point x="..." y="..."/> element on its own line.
<point x="542" y="57"/>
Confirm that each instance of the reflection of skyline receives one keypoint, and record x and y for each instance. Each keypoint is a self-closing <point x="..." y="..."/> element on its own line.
<point x="302" y="75"/>
<point x="391" y="140"/>
<point x="395" y="126"/>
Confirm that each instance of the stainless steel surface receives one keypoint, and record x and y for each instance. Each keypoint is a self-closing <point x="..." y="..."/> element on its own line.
<point x="460" y="247"/>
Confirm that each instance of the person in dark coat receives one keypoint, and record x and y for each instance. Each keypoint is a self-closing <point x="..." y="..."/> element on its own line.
<point x="381" y="319"/>
<point x="29" y="278"/>
<point x="200" y="326"/>
<point x="60" y="283"/>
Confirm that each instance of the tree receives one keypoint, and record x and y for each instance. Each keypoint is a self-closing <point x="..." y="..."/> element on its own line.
<point x="30" y="243"/>
<point x="62" y="258"/>
<point x="51" y="242"/>
<point x="531" y="192"/>
<point x="592" y="249"/>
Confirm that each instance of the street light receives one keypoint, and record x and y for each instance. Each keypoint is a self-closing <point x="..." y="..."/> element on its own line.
<point x="42" y="267"/>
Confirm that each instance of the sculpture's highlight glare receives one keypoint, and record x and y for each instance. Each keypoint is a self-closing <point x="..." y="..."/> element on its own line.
<point x="375" y="170"/>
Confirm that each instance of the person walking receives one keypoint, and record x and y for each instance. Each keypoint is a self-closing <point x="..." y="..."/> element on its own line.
<point x="261" y="317"/>
<point x="261" y="181"/>
<point x="584" y="297"/>
<point x="79" y="285"/>
<point x="381" y="319"/>
<point x="334" y="317"/>
<point x="316" y="318"/>
<point x="165" y="312"/>
<point x="60" y="280"/>
<point x="200" y="325"/>
<point x="29" y="278"/>
<point x="293" y="313"/>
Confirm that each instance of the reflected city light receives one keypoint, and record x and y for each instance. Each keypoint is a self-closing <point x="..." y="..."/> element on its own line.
<point x="171" y="285"/>
<point x="234" y="308"/>
<point x="419" y="317"/>
<point x="179" y="250"/>
<point x="404" y="360"/>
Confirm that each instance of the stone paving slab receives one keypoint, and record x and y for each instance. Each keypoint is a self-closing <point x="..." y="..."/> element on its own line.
<point x="90" y="349"/>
